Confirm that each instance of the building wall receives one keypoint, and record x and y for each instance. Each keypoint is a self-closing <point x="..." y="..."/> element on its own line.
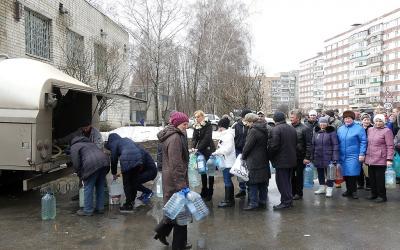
<point x="267" y="89"/>
<point x="82" y="18"/>
<point x="284" y="90"/>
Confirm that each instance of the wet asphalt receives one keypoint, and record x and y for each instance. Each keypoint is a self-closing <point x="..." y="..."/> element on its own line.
<point x="315" y="222"/>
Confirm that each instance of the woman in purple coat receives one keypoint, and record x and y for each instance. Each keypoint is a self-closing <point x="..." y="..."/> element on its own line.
<point x="379" y="155"/>
<point x="325" y="149"/>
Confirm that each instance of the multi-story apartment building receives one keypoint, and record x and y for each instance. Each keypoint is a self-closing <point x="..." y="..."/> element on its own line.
<point x="267" y="82"/>
<point x="310" y="82"/>
<point x="284" y="90"/>
<point x="65" y="31"/>
<point x="361" y="66"/>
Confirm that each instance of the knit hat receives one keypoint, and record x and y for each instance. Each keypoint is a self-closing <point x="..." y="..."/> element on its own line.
<point x="279" y="116"/>
<point x="178" y="118"/>
<point x="250" y="117"/>
<point x="331" y="113"/>
<point x="365" y="115"/>
<point x="260" y="113"/>
<point x="349" y="113"/>
<point x="224" y="123"/>
<point x="245" y="112"/>
<point x="312" y="112"/>
<point x="380" y="117"/>
<point x="323" y="119"/>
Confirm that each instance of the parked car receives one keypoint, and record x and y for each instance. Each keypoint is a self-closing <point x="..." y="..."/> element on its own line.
<point x="214" y="119"/>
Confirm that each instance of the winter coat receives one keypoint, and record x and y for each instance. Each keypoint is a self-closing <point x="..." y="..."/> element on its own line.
<point x="303" y="147"/>
<point x="352" y="144"/>
<point x="240" y="136"/>
<point x="311" y="125"/>
<point x="282" y="147"/>
<point x="380" y="146"/>
<point x="202" y="138"/>
<point x="226" y="147"/>
<point x="255" y="153"/>
<point x="334" y="122"/>
<point x="175" y="161"/>
<point x="87" y="158"/>
<point x="130" y="155"/>
<point x="94" y="137"/>
<point x="325" y="147"/>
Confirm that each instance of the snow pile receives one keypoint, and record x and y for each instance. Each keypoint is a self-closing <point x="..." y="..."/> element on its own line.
<point x="142" y="134"/>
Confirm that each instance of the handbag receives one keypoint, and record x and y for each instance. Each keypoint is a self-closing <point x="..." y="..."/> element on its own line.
<point x="239" y="168"/>
<point x="365" y="169"/>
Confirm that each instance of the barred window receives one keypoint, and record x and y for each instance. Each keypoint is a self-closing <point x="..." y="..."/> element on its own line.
<point x="99" y="59"/>
<point x="37" y="34"/>
<point x="75" y="46"/>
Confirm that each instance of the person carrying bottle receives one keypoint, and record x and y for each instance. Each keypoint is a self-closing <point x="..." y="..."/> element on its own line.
<point x="226" y="149"/>
<point x="240" y="140"/>
<point x="352" y="148"/>
<point x="324" y="150"/>
<point x="380" y="153"/>
<point x="282" y="150"/>
<point x="137" y="167"/>
<point x="303" y="153"/>
<point x="255" y="154"/>
<point x="91" y="165"/>
<point x="174" y="175"/>
<point x="204" y="144"/>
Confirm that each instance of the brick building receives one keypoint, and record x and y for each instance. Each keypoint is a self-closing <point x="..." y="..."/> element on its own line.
<point x="53" y="31"/>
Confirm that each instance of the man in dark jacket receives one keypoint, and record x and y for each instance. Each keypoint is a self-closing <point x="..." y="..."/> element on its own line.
<point x="92" y="166"/>
<point x="240" y="140"/>
<point x="282" y="150"/>
<point x="303" y="153"/>
<point x="312" y="121"/>
<point x="137" y="167"/>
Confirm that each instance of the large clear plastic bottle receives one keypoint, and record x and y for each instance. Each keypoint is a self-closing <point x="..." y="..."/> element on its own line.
<point x="331" y="171"/>
<point x="201" y="164"/>
<point x="48" y="206"/>
<point x="220" y="161"/>
<point x="196" y="206"/>
<point x="308" y="176"/>
<point x="193" y="161"/>
<point x="193" y="178"/>
<point x="184" y="217"/>
<point x="116" y="190"/>
<point x="174" y="205"/>
<point x="159" y="188"/>
<point x="390" y="178"/>
<point x="211" y="165"/>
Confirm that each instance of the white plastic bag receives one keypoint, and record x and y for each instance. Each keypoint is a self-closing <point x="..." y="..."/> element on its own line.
<point x="239" y="168"/>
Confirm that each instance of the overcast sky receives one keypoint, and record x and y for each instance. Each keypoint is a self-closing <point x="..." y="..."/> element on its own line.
<point x="286" y="32"/>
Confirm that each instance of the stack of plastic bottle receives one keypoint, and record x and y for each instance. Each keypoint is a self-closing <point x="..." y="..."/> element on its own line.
<point x="175" y="207"/>
<point x="331" y="171"/>
<point x="308" y="176"/>
<point x="390" y="178"/>
<point x="48" y="206"/>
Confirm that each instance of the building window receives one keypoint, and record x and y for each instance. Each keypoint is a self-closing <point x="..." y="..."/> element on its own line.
<point x="99" y="59"/>
<point x="75" y="46"/>
<point x="37" y="34"/>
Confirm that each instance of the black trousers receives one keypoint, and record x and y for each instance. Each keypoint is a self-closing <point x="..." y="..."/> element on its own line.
<point x="283" y="181"/>
<point x="298" y="179"/>
<point x="377" y="180"/>
<point x="351" y="183"/>
<point x="133" y="180"/>
<point x="210" y="181"/>
<point x="179" y="236"/>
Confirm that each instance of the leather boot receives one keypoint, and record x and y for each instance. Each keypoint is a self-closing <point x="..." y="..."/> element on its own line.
<point x="210" y="193"/>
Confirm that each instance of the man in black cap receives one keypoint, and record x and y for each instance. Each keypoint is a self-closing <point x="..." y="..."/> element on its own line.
<point x="282" y="150"/>
<point x="240" y="140"/>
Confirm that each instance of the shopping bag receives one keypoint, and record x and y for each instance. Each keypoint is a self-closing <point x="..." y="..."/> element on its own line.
<point x="365" y="169"/>
<point x="396" y="164"/>
<point x="239" y="168"/>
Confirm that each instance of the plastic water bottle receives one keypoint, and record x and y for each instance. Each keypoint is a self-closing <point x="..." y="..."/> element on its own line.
<point x="81" y="197"/>
<point x="211" y="165"/>
<point x="308" y="176"/>
<point x="193" y="178"/>
<point x="184" y="217"/>
<point x="48" y="206"/>
<point x="331" y="171"/>
<point x="390" y="178"/>
<point x="116" y="190"/>
<point x="201" y="164"/>
<point x="192" y="161"/>
<point x="159" y="189"/>
<point x="196" y="206"/>
<point x="174" y="205"/>
<point x="339" y="177"/>
<point x="220" y="162"/>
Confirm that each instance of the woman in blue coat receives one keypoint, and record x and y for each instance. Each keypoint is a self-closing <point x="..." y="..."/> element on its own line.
<point x="352" y="147"/>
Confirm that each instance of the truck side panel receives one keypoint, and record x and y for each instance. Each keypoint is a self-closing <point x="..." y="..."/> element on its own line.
<point x="16" y="145"/>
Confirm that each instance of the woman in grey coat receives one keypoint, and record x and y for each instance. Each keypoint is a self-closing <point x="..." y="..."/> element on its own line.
<point x="256" y="157"/>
